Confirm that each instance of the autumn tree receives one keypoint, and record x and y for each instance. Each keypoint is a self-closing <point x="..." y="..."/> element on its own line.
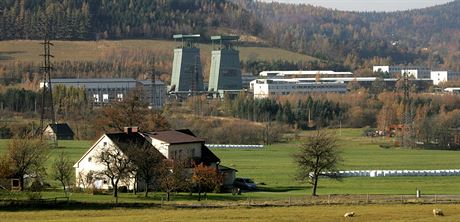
<point x="132" y="111"/>
<point x="173" y="177"/>
<point x="205" y="178"/>
<point x="26" y="157"/>
<point x="62" y="170"/>
<point x="318" y="156"/>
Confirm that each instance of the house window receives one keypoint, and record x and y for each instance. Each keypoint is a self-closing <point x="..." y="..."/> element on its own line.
<point x="120" y="96"/>
<point x="105" y="143"/>
<point x="96" y="98"/>
<point x="89" y="159"/>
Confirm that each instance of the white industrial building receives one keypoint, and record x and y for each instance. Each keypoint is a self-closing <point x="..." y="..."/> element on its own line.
<point x="452" y="90"/>
<point x="304" y="74"/>
<point x="265" y="88"/>
<point x="443" y="76"/>
<point x="106" y="90"/>
<point x="415" y="71"/>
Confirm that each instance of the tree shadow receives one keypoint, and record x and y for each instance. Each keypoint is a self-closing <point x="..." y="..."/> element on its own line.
<point x="280" y="189"/>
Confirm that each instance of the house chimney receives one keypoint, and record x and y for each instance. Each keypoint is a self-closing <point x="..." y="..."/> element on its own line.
<point x="131" y="129"/>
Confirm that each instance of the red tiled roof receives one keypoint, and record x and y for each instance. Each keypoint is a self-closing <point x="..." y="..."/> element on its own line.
<point x="174" y="137"/>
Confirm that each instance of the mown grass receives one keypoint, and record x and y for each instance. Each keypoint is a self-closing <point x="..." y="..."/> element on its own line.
<point x="273" y="168"/>
<point x="29" y="51"/>
<point x="279" y="214"/>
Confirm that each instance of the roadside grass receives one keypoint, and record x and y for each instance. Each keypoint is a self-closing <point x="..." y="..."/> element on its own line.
<point x="276" y="214"/>
<point x="29" y="50"/>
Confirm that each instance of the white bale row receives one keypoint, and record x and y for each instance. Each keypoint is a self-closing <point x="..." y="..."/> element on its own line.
<point x="237" y="146"/>
<point x="384" y="173"/>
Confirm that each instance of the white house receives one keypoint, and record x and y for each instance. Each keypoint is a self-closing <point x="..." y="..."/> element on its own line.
<point x="173" y="144"/>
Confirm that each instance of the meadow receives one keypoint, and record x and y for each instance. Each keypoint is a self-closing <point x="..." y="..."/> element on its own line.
<point x="273" y="169"/>
<point x="317" y="213"/>
<point x="29" y="50"/>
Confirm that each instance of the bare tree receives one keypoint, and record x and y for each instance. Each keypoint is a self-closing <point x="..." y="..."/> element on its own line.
<point x="117" y="166"/>
<point x="62" y="170"/>
<point x="132" y="111"/>
<point x="27" y="157"/>
<point x="148" y="162"/>
<point x="205" y="178"/>
<point x="318" y="155"/>
<point x="85" y="180"/>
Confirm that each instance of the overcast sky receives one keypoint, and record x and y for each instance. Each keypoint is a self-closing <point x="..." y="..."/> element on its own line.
<point x="369" y="5"/>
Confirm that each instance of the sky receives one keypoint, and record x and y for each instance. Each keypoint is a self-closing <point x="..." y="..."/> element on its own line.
<point x="369" y="5"/>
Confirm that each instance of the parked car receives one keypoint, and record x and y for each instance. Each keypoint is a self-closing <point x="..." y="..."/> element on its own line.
<point x="244" y="184"/>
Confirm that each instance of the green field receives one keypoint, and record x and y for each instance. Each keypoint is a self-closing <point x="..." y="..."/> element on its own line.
<point x="280" y="214"/>
<point x="29" y="51"/>
<point x="273" y="166"/>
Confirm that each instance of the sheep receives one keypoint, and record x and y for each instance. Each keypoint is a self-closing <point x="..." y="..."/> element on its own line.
<point x="349" y="214"/>
<point x="438" y="212"/>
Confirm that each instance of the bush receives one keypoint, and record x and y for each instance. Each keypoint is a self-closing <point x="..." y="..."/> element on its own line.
<point x="123" y="189"/>
<point x="36" y="186"/>
<point x="5" y="132"/>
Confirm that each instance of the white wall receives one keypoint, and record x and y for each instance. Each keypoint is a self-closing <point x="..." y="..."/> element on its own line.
<point x="184" y="151"/>
<point x="381" y="69"/>
<point x="90" y="163"/>
<point x="438" y="76"/>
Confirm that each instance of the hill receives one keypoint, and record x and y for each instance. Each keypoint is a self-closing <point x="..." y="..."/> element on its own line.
<point x="427" y="36"/>
<point x="20" y="60"/>
<point x="29" y="50"/>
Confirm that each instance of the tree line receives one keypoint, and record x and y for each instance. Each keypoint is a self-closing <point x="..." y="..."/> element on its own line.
<point x="351" y="38"/>
<point x="83" y="19"/>
<point x="355" y="38"/>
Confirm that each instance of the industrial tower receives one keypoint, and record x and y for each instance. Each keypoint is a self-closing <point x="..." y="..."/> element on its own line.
<point x="225" y="71"/>
<point x="186" y="71"/>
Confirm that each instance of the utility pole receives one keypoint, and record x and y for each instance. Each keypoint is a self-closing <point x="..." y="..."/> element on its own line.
<point x="47" y="109"/>
<point x="407" y="117"/>
<point x="153" y="77"/>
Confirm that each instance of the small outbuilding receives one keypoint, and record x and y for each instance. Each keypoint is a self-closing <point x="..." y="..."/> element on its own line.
<point x="59" y="131"/>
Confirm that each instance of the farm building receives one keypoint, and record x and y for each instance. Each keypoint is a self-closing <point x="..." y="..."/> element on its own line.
<point x="172" y="145"/>
<point x="60" y="131"/>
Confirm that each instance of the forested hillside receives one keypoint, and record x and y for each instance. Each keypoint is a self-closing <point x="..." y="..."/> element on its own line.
<point x="426" y="36"/>
<point x="357" y="39"/>
<point x="113" y="19"/>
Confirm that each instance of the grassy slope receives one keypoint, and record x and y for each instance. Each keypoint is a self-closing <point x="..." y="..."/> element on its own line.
<point x="29" y="51"/>
<point x="273" y="166"/>
<point x="317" y="213"/>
